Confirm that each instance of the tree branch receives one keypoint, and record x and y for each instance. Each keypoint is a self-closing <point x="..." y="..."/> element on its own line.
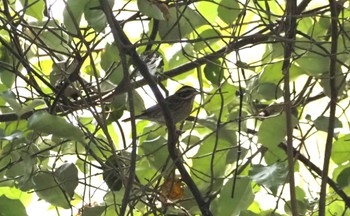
<point x="288" y="50"/>
<point x="333" y="103"/>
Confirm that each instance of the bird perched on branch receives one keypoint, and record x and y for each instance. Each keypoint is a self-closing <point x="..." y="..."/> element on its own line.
<point x="180" y="105"/>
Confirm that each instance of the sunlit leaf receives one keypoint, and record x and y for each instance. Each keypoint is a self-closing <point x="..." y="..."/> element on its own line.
<point x="272" y="73"/>
<point x="273" y="130"/>
<point x="210" y="160"/>
<point x="208" y="9"/>
<point x="227" y="204"/>
<point x="43" y="122"/>
<point x="228" y="99"/>
<point x="314" y="64"/>
<point x="341" y="150"/>
<point x="209" y="37"/>
<point x="182" y="21"/>
<point x="270" y="176"/>
<point x="156" y="151"/>
<point x="31" y="106"/>
<point x="274" y="155"/>
<point x="228" y="11"/>
<point x="269" y="91"/>
<point x="34" y="8"/>
<point x="9" y="207"/>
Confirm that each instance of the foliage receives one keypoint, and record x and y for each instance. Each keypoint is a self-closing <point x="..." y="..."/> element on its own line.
<point x="269" y="128"/>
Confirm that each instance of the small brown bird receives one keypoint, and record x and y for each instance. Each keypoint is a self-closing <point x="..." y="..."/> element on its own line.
<point x="180" y="105"/>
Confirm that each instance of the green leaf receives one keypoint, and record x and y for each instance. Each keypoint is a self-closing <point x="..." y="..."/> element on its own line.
<point x="270" y="176"/>
<point x="156" y="150"/>
<point x="32" y="104"/>
<point x="243" y="196"/>
<point x="273" y="130"/>
<point x="43" y="122"/>
<point x="10" y="98"/>
<point x="207" y="40"/>
<point x="343" y="179"/>
<point x="72" y="14"/>
<point x="208" y="9"/>
<point x="67" y="176"/>
<point x="46" y="187"/>
<point x="23" y="170"/>
<point x="209" y="162"/>
<point x="51" y="36"/>
<point x="180" y="57"/>
<point x="117" y="107"/>
<point x="339" y="82"/>
<point x="110" y="64"/>
<point x="341" y="150"/>
<point x="95" y="16"/>
<point x="183" y="20"/>
<point x="112" y="174"/>
<point x="320" y="28"/>
<point x="7" y="77"/>
<point x="34" y="8"/>
<point x="272" y="73"/>
<point x="11" y="207"/>
<point x="301" y="207"/>
<point x="337" y="207"/>
<point x="269" y="91"/>
<point x="213" y="72"/>
<point x="321" y="123"/>
<point x="228" y="11"/>
<point x="191" y="140"/>
<point x="153" y="9"/>
<point x="93" y="211"/>
<point x="314" y="64"/>
<point x="16" y="194"/>
<point x="274" y="52"/>
<point x="232" y="155"/>
<point x="306" y="24"/>
<point x="274" y="155"/>
<point x="228" y="101"/>
<point x="138" y="101"/>
<point x="12" y="137"/>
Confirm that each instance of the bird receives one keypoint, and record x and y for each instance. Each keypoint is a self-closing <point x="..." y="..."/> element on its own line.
<point x="180" y="105"/>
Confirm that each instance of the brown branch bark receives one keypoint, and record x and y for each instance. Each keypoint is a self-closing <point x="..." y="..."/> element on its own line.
<point x="288" y="50"/>
<point x="333" y="103"/>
